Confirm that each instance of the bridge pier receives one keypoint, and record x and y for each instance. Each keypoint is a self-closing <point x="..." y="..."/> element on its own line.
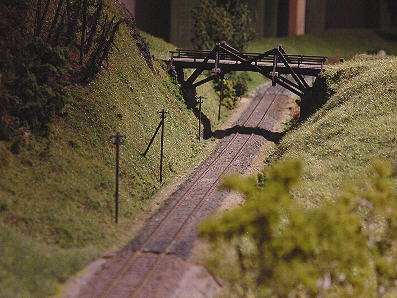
<point x="189" y="95"/>
<point x="180" y="75"/>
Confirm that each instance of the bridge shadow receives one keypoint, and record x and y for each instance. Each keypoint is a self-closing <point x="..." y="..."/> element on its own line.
<point x="189" y="94"/>
<point x="267" y="134"/>
<point x="205" y="121"/>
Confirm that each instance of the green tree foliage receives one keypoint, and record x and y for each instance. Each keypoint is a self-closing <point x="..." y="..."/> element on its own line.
<point x="344" y="248"/>
<point x="13" y="38"/>
<point x="230" y="99"/>
<point x="224" y="20"/>
<point x="234" y="87"/>
<point x="40" y="87"/>
<point x="40" y="40"/>
<point x="221" y="20"/>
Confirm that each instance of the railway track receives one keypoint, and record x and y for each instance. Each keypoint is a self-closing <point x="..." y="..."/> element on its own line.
<point x="171" y="232"/>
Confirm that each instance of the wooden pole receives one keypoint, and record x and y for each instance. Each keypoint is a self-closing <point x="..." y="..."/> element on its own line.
<point x="200" y="100"/>
<point x="161" y="125"/>
<point x="116" y="196"/>
<point x="220" y="98"/>
<point x="162" y="112"/>
<point x="117" y="140"/>
<point x="162" y="147"/>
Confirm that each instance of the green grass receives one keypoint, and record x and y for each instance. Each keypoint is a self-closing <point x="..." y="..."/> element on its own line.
<point x="56" y="196"/>
<point x="343" y="43"/>
<point x="355" y="126"/>
<point x="32" y="269"/>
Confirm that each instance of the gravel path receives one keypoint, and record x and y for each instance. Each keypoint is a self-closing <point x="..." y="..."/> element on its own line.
<point x="156" y="263"/>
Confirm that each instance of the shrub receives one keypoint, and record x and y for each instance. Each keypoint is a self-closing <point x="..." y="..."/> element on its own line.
<point x="240" y="83"/>
<point x="39" y="86"/>
<point x="33" y="57"/>
<point x="278" y="248"/>
<point x="230" y="100"/>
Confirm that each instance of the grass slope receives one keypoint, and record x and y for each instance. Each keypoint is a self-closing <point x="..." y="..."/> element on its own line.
<point x="344" y="43"/>
<point x="56" y="196"/>
<point x="355" y="126"/>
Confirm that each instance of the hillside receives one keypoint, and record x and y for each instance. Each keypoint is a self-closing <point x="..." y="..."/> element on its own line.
<point x="57" y="192"/>
<point x="355" y="126"/>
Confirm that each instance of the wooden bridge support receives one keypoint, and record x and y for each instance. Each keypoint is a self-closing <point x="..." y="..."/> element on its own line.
<point x="285" y="70"/>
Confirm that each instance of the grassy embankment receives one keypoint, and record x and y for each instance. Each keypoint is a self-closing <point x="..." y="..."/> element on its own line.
<point x="343" y="43"/>
<point x="356" y="125"/>
<point x="56" y="195"/>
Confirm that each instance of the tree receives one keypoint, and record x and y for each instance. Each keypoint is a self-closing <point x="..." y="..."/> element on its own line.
<point x="222" y="20"/>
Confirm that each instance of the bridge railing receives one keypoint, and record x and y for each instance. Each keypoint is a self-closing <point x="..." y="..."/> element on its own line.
<point x="197" y="55"/>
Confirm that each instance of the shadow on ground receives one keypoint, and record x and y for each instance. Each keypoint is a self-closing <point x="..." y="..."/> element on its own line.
<point x="268" y="135"/>
<point x="189" y="95"/>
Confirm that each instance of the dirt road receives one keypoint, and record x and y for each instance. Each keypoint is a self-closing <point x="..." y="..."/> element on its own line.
<point x="156" y="263"/>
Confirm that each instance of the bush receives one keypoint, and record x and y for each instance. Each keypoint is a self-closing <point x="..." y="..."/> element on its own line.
<point x="240" y="83"/>
<point x="39" y="87"/>
<point x="230" y="100"/>
<point x="34" y="60"/>
<point x="344" y="248"/>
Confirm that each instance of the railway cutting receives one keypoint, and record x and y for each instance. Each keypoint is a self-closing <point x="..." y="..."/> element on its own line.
<point x="156" y="263"/>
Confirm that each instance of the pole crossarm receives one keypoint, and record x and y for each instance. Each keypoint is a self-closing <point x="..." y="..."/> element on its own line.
<point x="275" y="64"/>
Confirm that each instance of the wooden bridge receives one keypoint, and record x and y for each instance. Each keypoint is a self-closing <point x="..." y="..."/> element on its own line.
<point x="283" y="69"/>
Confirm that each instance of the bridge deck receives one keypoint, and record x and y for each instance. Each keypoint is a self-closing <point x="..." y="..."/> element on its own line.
<point x="287" y="70"/>
<point x="228" y="66"/>
<point x="301" y="64"/>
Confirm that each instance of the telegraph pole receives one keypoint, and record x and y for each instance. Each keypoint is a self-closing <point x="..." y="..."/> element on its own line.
<point x="200" y="100"/>
<point x="117" y="139"/>
<point x="162" y="112"/>
<point x="162" y="126"/>
<point x="221" y="76"/>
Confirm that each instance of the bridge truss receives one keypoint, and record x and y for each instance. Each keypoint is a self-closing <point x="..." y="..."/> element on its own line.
<point x="286" y="70"/>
